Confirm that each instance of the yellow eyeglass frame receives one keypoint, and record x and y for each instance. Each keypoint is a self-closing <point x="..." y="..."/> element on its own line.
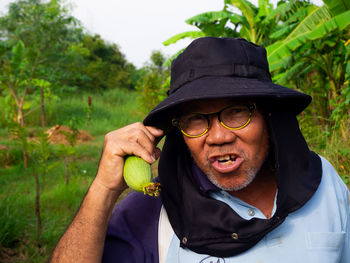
<point x="251" y="107"/>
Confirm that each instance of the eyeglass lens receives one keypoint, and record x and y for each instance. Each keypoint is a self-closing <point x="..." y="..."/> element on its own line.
<point x="235" y="116"/>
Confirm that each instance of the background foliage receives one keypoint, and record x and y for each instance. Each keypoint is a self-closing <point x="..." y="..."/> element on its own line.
<point x="154" y="82"/>
<point x="54" y="73"/>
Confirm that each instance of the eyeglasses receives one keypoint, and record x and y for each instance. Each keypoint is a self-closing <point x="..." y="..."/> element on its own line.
<point x="233" y="117"/>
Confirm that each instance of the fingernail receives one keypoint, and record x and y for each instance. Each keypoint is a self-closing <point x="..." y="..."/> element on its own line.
<point x="153" y="157"/>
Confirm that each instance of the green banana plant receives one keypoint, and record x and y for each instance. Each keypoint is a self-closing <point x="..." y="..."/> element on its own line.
<point x="316" y="25"/>
<point x="208" y="23"/>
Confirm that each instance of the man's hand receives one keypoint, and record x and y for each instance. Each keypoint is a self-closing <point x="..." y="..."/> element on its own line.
<point x="84" y="239"/>
<point x="135" y="139"/>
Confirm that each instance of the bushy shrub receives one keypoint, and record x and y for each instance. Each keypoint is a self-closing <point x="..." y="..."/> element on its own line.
<point x="154" y="81"/>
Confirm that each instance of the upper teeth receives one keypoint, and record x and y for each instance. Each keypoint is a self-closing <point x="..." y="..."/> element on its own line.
<point x="226" y="157"/>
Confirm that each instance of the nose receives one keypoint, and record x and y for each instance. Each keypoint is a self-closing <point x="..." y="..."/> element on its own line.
<point x="218" y="134"/>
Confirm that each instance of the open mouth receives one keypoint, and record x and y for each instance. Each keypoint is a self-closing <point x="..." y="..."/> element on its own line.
<point x="226" y="163"/>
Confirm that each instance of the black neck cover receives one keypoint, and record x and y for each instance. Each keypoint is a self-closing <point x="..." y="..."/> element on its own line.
<point x="205" y="225"/>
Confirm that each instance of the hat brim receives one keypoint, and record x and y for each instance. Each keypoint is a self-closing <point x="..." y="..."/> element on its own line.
<point x="265" y="92"/>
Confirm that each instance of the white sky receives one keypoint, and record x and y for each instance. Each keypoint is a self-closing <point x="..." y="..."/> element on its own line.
<point x="138" y="27"/>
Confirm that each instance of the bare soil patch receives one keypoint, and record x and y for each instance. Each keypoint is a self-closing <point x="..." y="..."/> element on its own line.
<point x="58" y="135"/>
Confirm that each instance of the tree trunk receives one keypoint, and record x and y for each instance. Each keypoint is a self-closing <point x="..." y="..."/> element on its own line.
<point x="24" y="150"/>
<point x="37" y="207"/>
<point x="20" y="116"/>
<point x="25" y="158"/>
<point x="42" y="107"/>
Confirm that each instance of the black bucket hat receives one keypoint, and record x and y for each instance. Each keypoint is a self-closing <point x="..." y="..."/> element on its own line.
<point x="212" y="68"/>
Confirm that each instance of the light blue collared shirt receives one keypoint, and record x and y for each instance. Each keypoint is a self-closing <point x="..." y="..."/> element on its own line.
<point x="318" y="232"/>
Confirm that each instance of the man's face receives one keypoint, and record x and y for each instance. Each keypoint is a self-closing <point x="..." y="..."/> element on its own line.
<point x="230" y="158"/>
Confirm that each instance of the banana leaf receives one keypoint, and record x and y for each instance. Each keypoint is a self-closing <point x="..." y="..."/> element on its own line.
<point x="208" y="17"/>
<point x="300" y="15"/>
<point x="264" y="8"/>
<point x="338" y="22"/>
<point x="316" y="16"/>
<point x="188" y="34"/>
<point x="285" y="48"/>
<point x="282" y="31"/>
<point x="337" y="7"/>
<point x="247" y="10"/>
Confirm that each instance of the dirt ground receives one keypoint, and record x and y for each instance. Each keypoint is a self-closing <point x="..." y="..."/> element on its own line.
<point x="58" y="135"/>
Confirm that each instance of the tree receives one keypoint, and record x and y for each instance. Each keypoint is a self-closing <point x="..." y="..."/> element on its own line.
<point x="106" y="66"/>
<point x="43" y="85"/>
<point x="41" y="35"/>
<point x="35" y="39"/>
<point x="154" y="81"/>
<point x="255" y="22"/>
<point x="16" y="78"/>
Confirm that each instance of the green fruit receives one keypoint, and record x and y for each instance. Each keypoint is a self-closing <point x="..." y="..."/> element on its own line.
<point x="137" y="173"/>
<point x="138" y="176"/>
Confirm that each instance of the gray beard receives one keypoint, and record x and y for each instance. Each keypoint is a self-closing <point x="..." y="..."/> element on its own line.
<point x="251" y="174"/>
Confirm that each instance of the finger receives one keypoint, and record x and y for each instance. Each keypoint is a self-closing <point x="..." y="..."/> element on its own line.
<point x="137" y="130"/>
<point x="122" y="142"/>
<point x="127" y="142"/>
<point x="147" y="136"/>
<point x="156" y="133"/>
<point x="138" y="150"/>
<point x="147" y="143"/>
<point x="152" y="132"/>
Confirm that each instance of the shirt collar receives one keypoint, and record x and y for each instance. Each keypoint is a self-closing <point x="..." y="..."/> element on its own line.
<point x="202" y="180"/>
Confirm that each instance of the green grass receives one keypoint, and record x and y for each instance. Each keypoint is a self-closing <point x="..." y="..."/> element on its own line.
<point x="59" y="202"/>
<point x="331" y="144"/>
<point x="110" y="110"/>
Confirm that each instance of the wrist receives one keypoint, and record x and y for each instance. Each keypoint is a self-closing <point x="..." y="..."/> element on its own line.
<point x="101" y="197"/>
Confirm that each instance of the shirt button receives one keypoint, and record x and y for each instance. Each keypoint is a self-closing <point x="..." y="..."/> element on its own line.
<point x="234" y="236"/>
<point x="251" y="212"/>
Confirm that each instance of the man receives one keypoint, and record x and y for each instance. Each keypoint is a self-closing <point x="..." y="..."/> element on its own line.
<point x="239" y="183"/>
